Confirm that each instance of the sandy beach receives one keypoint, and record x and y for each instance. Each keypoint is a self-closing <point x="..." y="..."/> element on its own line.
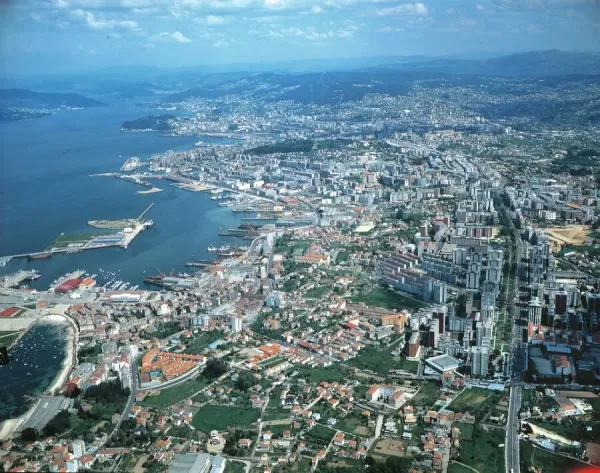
<point x="150" y="191"/>
<point x="69" y="360"/>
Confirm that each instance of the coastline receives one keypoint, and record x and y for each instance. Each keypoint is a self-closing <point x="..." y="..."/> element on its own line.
<point x="70" y="358"/>
<point x="10" y="426"/>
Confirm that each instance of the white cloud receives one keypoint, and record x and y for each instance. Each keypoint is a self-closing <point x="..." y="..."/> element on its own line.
<point x="222" y="43"/>
<point x="316" y="9"/>
<point x="404" y="9"/>
<point x="176" y="36"/>
<point x="389" y="29"/>
<point x="101" y="23"/>
<point x="480" y="7"/>
<point x="213" y="20"/>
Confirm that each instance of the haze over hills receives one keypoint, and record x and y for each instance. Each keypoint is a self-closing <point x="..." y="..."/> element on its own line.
<point x="23" y="98"/>
<point x="530" y="64"/>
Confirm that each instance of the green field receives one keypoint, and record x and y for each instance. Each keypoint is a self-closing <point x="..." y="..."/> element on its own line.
<point x="276" y="415"/>
<point x="426" y="397"/>
<point x="455" y="468"/>
<point x="547" y="461"/>
<point x="316" y="375"/>
<point x="350" y="422"/>
<point x="63" y="241"/>
<point x="234" y="467"/>
<point x="170" y="396"/>
<point x="483" y="452"/>
<point x="381" y="360"/>
<point x="466" y="430"/>
<point x="382" y="297"/>
<point x="221" y="417"/>
<point x="198" y="343"/>
<point x="477" y="401"/>
<point x="319" y="435"/>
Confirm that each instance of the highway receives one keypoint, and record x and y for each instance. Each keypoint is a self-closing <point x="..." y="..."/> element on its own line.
<point x="518" y="364"/>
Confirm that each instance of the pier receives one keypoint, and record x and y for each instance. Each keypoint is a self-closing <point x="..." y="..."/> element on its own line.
<point x="17" y="278"/>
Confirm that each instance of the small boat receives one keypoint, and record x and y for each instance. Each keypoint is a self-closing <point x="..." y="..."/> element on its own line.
<point x="211" y="249"/>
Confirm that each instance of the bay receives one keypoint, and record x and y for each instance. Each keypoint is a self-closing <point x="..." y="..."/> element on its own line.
<point x="36" y="359"/>
<point x="45" y="190"/>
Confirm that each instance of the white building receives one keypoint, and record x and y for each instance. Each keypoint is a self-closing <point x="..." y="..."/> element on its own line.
<point x="236" y="324"/>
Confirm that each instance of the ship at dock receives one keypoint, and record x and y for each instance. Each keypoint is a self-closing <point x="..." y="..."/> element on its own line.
<point x="39" y="255"/>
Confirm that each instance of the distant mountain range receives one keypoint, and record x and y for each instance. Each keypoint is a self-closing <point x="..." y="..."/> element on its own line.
<point x="531" y="64"/>
<point x="23" y="98"/>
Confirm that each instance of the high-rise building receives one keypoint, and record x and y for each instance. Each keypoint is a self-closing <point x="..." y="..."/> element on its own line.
<point x="236" y="324"/>
<point x="434" y="334"/>
<point x="479" y="361"/>
<point x="78" y="447"/>
<point x="535" y="311"/>
<point x="440" y="316"/>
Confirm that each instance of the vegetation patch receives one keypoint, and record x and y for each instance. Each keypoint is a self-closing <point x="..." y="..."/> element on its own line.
<point x="221" y="417"/>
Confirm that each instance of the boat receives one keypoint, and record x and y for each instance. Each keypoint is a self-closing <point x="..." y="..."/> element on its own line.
<point x="211" y="249"/>
<point x="40" y="255"/>
<point x="224" y="248"/>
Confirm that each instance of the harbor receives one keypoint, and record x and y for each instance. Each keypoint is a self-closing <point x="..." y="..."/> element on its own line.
<point x="74" y="243"/>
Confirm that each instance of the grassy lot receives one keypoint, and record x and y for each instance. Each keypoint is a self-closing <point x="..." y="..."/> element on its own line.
<point x="170" y="396"/>
<point x="455" y="468"/>
<point x="198" y="343"/>
<point x="483" y="452"/>
<point x="234" y="467"/>
<point x="276" y="415"/>
<point x="477" y="401"/>
<point x="319" y="435"/>
<point x="221" y="417"/>
<point x="466" y="430"/>
<point x="382" y="297"/>
<point x="316" y="375"/>
<point x="274" y="360"/>
<point x="547" y="461"/>
<point x="426" y="397"/>
<point x="7" y="338"/>
<point x="381" y="360"/>
<point x="350" y="422"/>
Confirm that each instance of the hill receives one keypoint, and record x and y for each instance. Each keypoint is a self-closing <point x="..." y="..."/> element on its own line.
<point x="531" y="64"/>
<point x="23" y="98"/>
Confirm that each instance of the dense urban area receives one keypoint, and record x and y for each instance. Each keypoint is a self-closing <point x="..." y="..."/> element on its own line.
<point x="415" y="288"/>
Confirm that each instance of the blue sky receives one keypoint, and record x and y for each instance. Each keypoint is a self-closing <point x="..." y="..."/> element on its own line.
<point x="55" y="35"/>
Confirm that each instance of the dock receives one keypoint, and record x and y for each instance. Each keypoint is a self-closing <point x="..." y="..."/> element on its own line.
<point x="13" y="280"/>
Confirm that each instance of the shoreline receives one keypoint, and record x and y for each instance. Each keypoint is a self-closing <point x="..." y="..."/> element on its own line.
<point x="9" y="427"/>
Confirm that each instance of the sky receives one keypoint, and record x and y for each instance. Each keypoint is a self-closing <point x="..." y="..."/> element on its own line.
<point x="69" y="35"/>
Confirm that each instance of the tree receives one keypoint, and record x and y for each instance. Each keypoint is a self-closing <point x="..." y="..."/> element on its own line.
<point x="29" y="435"/>
<point x="59" y="423"/>
<point x="215" y="368"/>
<point x="245" y="381"/>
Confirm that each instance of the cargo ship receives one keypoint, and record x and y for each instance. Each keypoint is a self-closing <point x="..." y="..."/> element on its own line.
<point x="40" y="255"/>
<point x="162" y="280"/>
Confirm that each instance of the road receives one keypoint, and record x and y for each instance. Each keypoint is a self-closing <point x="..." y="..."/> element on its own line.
<point x="517" y="364"/>
<point x="130" y="401"/>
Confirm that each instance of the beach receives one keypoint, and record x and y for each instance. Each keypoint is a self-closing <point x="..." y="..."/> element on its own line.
<point x="72" y="338"/>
